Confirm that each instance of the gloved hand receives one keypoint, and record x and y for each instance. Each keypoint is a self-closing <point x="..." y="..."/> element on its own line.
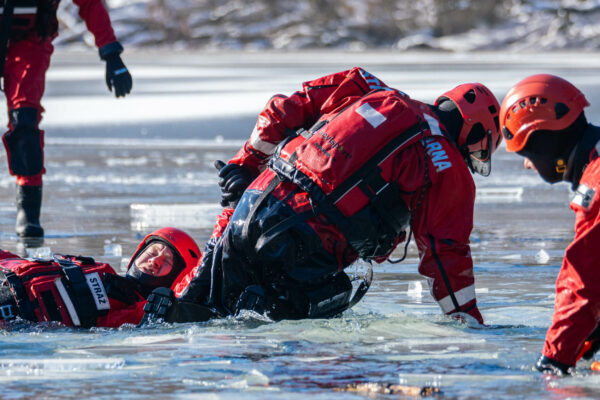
<point x="162" y="304"/>
<point x="545" y="364"/>
<point x="252" y="298"/>
<point x="117" y="75"/>
<point x="233" y="180"/>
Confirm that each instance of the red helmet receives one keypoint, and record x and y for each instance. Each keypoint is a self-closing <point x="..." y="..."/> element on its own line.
<point x="480" y="133"/>
<point x="178" y="240"/>
<point x="539" y="102"/>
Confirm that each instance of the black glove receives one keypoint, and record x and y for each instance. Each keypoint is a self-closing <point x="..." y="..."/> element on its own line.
<point x="594" y="340"/>
<point x="545" y="364"/>
<point x="252" y="298"/>
<point x="162" y="304"/>
<point x="233" y="180"/>
<point x="117" y="75"/>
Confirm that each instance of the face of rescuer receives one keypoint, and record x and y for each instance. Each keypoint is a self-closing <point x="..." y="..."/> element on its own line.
<point x="156" y="259"/>
<point x="156" y="265"/>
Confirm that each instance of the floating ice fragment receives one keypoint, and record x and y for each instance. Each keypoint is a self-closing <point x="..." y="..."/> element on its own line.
<point x="39" y="252"/>
<point x="415" y="289"/>
<point x="542" y="257"/>
<point x="199" y="216"/>
<point x="113" y="250"/>
<point x="500" y="194"/>
<point x="124" y="264"/>
<point x="63" y="364"/>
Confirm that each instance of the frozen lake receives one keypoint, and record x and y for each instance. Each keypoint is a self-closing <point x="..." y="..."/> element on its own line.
<point x="117" y="169"/>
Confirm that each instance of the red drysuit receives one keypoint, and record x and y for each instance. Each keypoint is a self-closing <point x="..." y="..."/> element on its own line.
<point x="577" y="304"/>
<point x="28" y="59"/>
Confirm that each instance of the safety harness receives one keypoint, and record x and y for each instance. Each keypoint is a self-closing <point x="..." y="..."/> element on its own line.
<point x="385" y="206"/>
<point x="67" y="289"/>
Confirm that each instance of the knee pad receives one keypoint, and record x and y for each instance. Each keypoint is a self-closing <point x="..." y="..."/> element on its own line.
<point x="24" y="143"/>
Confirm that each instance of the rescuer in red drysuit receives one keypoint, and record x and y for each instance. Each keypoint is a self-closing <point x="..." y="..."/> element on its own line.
<point x="543" y="120"/>
<point x="77" y="291"/>
<point x="339" y="171"/>
<point x="26" y="36"/>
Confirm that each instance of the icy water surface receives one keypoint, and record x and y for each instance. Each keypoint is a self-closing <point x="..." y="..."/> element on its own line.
<point x="118" y="169"/>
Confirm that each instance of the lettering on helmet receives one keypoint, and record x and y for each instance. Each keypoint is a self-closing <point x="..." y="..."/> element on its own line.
<point x="438" y="155"/>
<point x="98" y="293"/>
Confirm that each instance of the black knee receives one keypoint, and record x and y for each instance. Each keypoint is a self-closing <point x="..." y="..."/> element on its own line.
<point x="24" y="118"/>
<point x="23" y="143"/>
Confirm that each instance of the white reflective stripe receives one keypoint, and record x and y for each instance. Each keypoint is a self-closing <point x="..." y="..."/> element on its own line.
<point x="371" y="115"/>
<point x="434" y="125"/>
<point x="463" y="296"/>
<point x="258" y="144"/>
<point x="22" y="10"/>
<point x="97" y="289"/>
<point x="67" y="300"/>
<point x="346" y="192"/>
<point x="583" y="196"/>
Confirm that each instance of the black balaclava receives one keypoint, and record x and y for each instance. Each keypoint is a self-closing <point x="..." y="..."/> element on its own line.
<point x="551" y="151"/>
<point x="582" y="154"/>
<point x="146" y="282"/>
<point x="450" y="116"/>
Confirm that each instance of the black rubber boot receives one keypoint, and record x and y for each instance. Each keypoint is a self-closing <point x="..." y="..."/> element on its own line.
<point x="29" y="203"/>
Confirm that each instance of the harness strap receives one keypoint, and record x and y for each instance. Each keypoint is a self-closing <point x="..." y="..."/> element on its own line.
<point x="23" y="304"/>
<point x="84" y="302"/>
<point x="384" y="198"/>
<point x="5" y="27"/>
<point x="381" y="193"/>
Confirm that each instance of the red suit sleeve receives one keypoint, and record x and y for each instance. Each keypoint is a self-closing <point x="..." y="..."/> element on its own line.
<point x="442" y="224"/>
<point x="283" y="115"/>
<point x="97" y="21"/>
<point x="577" y="303"/>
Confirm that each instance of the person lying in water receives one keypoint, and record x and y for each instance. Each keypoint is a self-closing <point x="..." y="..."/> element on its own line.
<point x="78" y="291"/>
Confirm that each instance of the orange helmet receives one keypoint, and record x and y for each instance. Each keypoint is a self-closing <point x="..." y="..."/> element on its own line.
<point x="480" y="134"/>
<point x="539" y="102"/>
<point x="186" y="248"/>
